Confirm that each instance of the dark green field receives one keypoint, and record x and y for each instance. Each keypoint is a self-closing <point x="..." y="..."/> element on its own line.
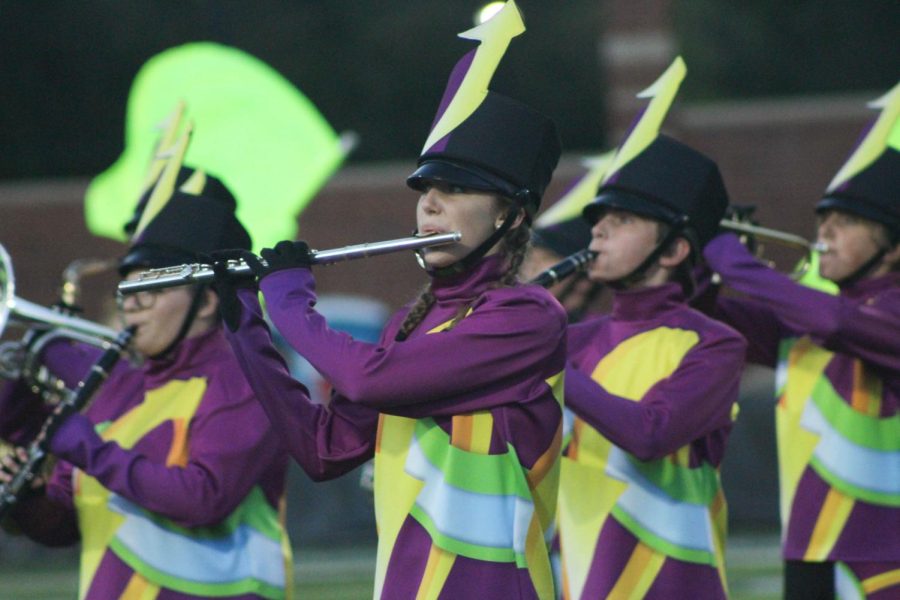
<point x="346" y="574"/>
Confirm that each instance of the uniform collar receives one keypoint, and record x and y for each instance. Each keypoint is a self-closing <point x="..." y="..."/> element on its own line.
<point x="471" y="283"/>
<point x="644" y="303"/>
<point x="187" y="354"/>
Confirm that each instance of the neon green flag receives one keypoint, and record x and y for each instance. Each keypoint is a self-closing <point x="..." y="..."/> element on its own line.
<point x="252" y="129"/>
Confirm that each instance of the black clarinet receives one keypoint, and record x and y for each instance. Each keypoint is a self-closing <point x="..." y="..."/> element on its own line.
<point x="570" y="265"/>
<point x="74" y="402"/>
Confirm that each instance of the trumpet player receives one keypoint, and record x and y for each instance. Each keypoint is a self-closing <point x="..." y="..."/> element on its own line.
<point x="456" y="401"/>
<point x="837" y="361"/>
<point x="172" y="478"/>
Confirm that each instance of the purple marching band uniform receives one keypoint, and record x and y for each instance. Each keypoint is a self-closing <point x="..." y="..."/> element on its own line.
<point x="181" y="496"/>
<point x="837" y="417"/>
<point x="171" y="480"/>
<point x="463" y="415"/>
<point x="837" y="360"/>
<point x="641" y="503"/>
<point x="464" y="424"/>
<point x="653" y="386"/>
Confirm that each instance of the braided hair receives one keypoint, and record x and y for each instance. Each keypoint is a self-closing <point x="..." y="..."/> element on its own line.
<point x="514" y="245"/>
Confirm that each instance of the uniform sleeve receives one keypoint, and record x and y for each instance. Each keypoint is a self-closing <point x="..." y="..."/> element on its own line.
<point x="754" y="320"/>
<point x="757" y="323"/>
<point x="692" y="402"/>
<point x="870" y="332"/>
<point x="326" y="441"/>
<point x="506" y="339"/>
<point x="70" y="361"/>
<point x="229" y="451"/>
<point x="21" y="413"/>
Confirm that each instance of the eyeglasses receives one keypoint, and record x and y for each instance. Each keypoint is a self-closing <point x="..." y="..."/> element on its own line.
<point x="143" y="300"/>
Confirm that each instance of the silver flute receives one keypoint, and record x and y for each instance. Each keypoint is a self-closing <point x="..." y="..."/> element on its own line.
<point x="155" y="279"/>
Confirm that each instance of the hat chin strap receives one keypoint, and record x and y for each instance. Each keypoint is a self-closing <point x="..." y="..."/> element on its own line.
<point x="467" y="262"/>
<point x="189" y="317"/>
<point x="639" y="272"/>
<point x="863" y="270"/>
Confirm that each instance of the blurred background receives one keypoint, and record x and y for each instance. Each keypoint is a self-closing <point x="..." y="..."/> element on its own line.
<point x="776" y="93"/>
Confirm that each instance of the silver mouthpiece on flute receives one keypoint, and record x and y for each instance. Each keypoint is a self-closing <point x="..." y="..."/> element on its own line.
<point x="155" y="279"/>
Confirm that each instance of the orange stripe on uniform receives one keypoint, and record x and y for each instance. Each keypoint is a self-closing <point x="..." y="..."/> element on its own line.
<point x="832" y="518"/>
<point x="473" y="432"/>
<point x="139" y="588"/>
<point x="638" y="575"/>
<point x="572" y="448"/>
<point x="178" y="451"/>
<point x="881" y="581"/>
<point x="378" y="433"/>
<point x="436" y="571"/>
<point x="461" y="434"/>
<point x="545" y="461"/>
<point x="866" y="395"/>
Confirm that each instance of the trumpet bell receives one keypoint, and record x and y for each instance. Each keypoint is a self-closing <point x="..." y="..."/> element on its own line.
<point x="16" y="311"/>
<point x="21" y="357"/>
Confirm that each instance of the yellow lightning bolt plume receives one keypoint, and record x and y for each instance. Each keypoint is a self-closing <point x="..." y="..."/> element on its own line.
<point x="195" y="183"/>
<point x="581" y="194"/>
<point x="877" y="139"/>
<point x="495" y="35"/>
<point x="169" y="133"/>
<point x="662" y="92"/>
<point x="165" y="187"/>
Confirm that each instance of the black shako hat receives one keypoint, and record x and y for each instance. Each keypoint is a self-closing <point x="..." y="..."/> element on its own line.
<point x="211" y="187"/>
<point x="872" y="193"/>
<point x="504" y="146"/>
<point x="671" y="182"/>
<point x="188" y="227"/>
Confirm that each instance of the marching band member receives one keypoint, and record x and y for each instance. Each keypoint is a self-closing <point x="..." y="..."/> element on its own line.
<point x="172" y="479"/>
<point x="838" y="377"/>
<point x="456" y="401"/>
<point x="652" y="384"/>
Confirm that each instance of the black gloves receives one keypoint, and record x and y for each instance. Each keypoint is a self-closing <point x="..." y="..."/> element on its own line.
<point x="285" y="255"/>
<point x="226" y="285"/>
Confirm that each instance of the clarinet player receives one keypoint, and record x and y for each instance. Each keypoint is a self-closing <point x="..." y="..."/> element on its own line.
<point x="172" y="479"/>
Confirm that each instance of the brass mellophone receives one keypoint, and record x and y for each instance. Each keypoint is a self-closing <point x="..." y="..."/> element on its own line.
<point x="203" y="273"/>
<point x="773" y="235"/>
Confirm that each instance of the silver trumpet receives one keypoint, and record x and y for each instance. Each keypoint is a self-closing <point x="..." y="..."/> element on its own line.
<point x="155" y="279"/>
<point x="22" y="357"/>
<point x="773" y="235"/>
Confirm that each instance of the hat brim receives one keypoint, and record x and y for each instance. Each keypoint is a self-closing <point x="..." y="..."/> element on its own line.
<point x="861" y="208"/>
<point x="468" y="177"/>
<point x="152" y="256"/>
<point x="621" y="200"/>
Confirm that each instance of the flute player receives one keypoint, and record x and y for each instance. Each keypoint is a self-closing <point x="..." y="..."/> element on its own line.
<point x="458" y="402"/>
